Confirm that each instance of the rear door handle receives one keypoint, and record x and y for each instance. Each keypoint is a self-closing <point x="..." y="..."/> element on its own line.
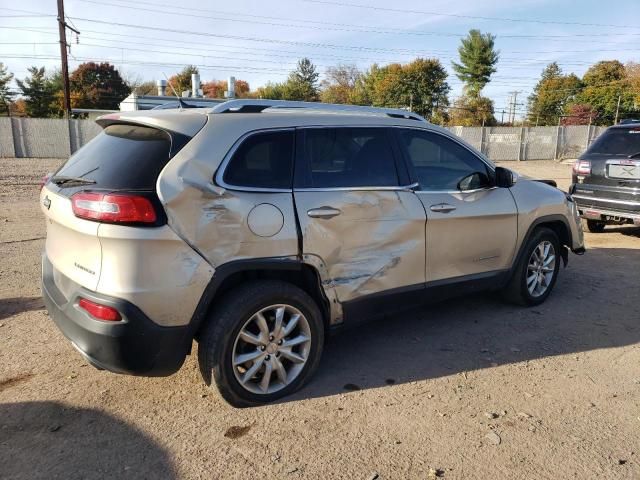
<point x="442" y="208"/>
<point x="323" y="212"/>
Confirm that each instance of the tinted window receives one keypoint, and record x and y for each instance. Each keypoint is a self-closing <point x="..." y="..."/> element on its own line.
<point x="349" y="157"/>
<point x="617" y="141"/>
<point x="441" y="164"/>
<point x="121" y="157"/>
<point x="264" y="160"/>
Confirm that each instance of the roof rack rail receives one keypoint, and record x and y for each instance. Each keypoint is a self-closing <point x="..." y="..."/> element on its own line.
<point x="256" y="106"/>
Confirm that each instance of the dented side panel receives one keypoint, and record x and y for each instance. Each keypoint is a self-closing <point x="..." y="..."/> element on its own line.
<point x="153" y="269"/>
<point x="376" y="243"/>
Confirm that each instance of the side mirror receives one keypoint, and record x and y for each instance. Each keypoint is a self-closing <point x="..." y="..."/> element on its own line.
<point x="505" y="178"/>
<point x="473" y="181"/>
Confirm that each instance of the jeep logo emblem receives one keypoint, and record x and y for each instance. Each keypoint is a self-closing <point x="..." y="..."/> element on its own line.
<point x="46" y="202"/>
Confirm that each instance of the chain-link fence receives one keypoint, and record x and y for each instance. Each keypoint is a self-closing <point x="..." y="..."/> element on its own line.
<point x="58" y="138"/>
<point x="529" y="143"/>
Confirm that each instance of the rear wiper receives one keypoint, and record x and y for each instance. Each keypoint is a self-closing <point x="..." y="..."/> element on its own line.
<point x="62" y="180"/>
<point x="634" y="155"/>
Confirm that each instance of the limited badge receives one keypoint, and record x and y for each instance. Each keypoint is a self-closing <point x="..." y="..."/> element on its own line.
<point x="46" y="202"/>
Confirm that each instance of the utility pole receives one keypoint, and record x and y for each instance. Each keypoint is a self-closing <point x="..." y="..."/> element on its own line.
<point x="513" y="104"/>
<point x="62" y="26"/>
<point x="615" y="122"/>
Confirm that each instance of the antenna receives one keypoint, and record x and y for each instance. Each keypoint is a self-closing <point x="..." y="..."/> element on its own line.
<point x="180" y="101"/>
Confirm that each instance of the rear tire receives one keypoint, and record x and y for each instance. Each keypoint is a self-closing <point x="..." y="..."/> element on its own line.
<point x="595" y="226"/>
<point x="251" y="335"/>
<point x="537" y="270"/>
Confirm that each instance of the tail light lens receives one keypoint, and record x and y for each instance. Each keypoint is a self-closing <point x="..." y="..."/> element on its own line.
<point x="113" y="208"/>
<point x="582" y="167"/>
<point x="101" y="312"/>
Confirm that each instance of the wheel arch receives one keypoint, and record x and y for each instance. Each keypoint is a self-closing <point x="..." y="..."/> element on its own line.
<point x="559" y="225"/>
<point x="233" y="274"/>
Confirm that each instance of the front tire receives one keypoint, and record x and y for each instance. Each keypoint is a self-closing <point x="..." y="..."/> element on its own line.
<point x="262" y="343"/>
<point x="537" y="270"/>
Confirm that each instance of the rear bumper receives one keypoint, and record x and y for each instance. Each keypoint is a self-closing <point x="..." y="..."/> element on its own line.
<point x="605" y="209"/>
<point x="135" y="346"/>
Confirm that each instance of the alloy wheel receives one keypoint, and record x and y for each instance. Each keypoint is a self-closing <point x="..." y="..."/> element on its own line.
<point x="541" y="268"/>
<point x="271" y="349"/>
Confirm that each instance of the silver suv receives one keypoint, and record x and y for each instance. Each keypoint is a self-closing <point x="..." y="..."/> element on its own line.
<point x="258" y="227"/>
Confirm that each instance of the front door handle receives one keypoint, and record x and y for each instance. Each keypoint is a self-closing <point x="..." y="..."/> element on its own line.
<point x="324" y="212"/>
<point x="442" y="208"/>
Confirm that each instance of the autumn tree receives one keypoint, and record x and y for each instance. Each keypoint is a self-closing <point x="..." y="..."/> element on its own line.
<point x="340" y="83"/>
<point x="182" y="81"/>
<point x="5" y="88"/>
<point x="420" y="85"/>
<point x="632" y="74"/>
<point x="478" y="58"/>
<point x="551" y="95"/>
<point x="470" y="111"/>
<point x="579" y="114"/>
<point x="216" y="88"/>
<point x="97" y="85"/>
<point x="38" y="93"/>
<point x="605" y="83"/>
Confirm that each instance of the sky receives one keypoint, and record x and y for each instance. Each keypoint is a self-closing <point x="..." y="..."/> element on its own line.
<point x="260" y="41"/>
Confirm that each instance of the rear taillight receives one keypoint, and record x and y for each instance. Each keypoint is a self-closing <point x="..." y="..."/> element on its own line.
<point x="101" y="312"/>
<point x="582" y="167"/>
<point x="113" y="208"/>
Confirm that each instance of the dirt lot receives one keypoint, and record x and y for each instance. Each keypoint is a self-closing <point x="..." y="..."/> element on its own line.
<point x="471" y="388"/>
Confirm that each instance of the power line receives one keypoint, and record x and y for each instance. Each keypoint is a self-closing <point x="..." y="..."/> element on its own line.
<point x="326" y="25"/>
<point x="473" y="17"/>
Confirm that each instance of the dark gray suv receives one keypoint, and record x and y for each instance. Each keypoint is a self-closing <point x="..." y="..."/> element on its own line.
<point x="606" y="178"/>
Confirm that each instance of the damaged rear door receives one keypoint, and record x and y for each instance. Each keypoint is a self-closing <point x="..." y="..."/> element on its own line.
<point x="357" y="216"/>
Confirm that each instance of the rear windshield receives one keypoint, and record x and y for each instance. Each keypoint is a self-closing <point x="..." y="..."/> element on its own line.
<point x="122" y="157"/>
<point x="617" y="141"/>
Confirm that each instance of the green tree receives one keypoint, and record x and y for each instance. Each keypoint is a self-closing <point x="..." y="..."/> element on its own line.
<point x="38" y="93"/>
<point x="605" y="83"/>
<point x="5" y="88"/>
<point x="302" y="83"/>
<point x="97" y="85"/>
<point x="182" y="81"/>
<point x="271" y="91"/>
<point x="478" y="58"/>
<point x="551" y="95"/>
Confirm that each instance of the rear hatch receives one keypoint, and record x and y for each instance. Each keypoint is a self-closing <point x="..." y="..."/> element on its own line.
<point x="123" y="159"/>
<point x="615" y="167"/>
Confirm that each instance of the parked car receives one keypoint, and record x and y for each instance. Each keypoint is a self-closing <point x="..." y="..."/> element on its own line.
<point x="606" y="178"/>
<point x="258" y="227"/>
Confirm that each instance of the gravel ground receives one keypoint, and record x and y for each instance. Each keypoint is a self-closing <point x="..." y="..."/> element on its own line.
<point x="471" y="388"/>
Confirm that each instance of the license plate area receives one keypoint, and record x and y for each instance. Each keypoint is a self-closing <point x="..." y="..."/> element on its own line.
<point x="626" y="170"/>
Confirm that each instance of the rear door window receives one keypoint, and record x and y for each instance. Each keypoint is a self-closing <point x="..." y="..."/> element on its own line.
<point x="348" y="157"/>
<point x="121" y="157"/>
<point x="264" y="160"/>
<point x="617" y="141"/>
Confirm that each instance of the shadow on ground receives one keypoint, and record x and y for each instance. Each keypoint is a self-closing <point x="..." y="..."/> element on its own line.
<point x="14" y="306"/>
<point x="596" y="304"/>
<point x="47" y="440"/>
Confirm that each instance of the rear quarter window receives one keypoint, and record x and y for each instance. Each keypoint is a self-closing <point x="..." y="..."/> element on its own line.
<point x="123" y="157"/>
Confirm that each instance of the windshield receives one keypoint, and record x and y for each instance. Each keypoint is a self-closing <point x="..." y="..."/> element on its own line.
<point x="617" y="141"/>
